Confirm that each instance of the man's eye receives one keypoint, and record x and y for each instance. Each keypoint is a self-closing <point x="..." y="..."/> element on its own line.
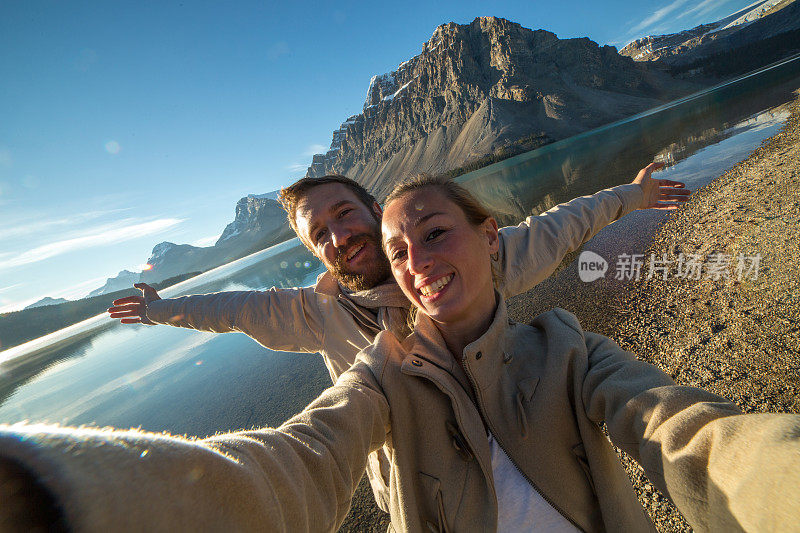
<point x="344" y="212"/>
<point x="320" y="234"/>
<point x="433" y="234"/>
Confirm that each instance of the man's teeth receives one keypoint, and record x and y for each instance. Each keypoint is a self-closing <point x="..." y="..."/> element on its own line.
<point x="353" y="253"/>
<point x="436" y="286"/>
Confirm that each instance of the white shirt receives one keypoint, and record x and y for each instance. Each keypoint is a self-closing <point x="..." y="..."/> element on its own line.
<point x="519" y="506"/>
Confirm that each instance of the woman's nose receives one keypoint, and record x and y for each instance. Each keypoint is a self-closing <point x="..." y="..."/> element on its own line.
<point x="419" y="260"/>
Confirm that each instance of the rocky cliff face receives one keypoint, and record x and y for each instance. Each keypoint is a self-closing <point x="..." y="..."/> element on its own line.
<point x="758" y="22"/>
<point x="260" y="222"/>
<point x="477" y="87"/>
<point x="256" y="215"/>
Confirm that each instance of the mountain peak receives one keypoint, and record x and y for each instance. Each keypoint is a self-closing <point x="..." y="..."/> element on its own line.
<point x="477" y="87"/>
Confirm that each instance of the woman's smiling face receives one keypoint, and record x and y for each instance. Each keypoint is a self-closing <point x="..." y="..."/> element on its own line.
<point x="440" y="260"/>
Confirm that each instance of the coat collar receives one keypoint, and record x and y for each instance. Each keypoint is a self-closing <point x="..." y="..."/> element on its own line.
<point x="386" y="294"/>
<point x="427" y="342"/>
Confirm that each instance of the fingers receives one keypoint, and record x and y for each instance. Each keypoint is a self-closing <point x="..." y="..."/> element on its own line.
<point x="129" y="307"/>
<point x="130" y="320"/>
<point x="671" y="183"/>
<point x="675" y="190"/>
<point x="148" y="292"/>
<point x="144" y="287"/>
<point x="652" y="167"/>
<point x="124" y="314"/>
<point x="665" y="206"/>
<point x="664" y="195"/>
<point x="128" y="300"/>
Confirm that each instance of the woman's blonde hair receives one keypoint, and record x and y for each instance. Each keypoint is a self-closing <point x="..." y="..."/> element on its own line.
<point x="474" y="211"/>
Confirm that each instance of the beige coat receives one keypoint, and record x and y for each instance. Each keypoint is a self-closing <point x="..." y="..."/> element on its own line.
<point x="337" y="324"/>
<point x="542" y="391"/>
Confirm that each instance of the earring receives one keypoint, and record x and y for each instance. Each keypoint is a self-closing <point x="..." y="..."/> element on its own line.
<point x="495" y="256"/>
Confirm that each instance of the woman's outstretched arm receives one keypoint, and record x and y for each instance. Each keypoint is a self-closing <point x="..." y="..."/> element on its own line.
<point x="724" y="470"/>
<point x="299" y="477"/>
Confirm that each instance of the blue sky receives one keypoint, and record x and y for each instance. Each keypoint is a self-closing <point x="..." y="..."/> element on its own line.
<point x="124" y="124"/>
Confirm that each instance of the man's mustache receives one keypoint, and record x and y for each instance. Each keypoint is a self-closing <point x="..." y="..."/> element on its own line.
<point x="357" y="240"/>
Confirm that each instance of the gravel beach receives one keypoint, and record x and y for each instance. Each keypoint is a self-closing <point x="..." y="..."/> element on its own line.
<point x="738" y="335"/>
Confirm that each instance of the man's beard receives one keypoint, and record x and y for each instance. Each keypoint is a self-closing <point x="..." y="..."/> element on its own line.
<point x="377" y="272"/>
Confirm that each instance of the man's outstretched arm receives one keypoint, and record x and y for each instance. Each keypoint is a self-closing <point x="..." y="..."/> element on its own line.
<point x="531" y="251"/>
<point x="280" y="319"/>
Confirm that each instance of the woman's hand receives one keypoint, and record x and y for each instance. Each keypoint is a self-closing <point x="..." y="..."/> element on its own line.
<point x="133" y="309"/>
<point x="660" y="194"/>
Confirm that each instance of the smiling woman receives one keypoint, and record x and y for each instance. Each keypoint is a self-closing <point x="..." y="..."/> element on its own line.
<point x="432" y="230"/>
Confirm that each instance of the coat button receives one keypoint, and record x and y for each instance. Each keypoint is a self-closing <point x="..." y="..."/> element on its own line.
<point x="478" y="355"/>
<point x="416" y="362"/>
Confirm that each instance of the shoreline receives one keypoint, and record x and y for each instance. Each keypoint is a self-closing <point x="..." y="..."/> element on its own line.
<point x="737" y="338"/>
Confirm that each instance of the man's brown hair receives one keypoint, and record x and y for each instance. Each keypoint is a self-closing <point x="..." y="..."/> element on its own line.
<point x="291" y="196"/>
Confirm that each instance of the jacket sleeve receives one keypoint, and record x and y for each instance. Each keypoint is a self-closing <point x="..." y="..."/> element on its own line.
<point x="280" y="319"/>
<point x="299" y="477"/>
<point x="531" y="251"/>
<point x="724" y="470"/>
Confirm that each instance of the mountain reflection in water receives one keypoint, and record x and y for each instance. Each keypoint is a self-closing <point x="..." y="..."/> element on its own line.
<point x="168" y="379"/>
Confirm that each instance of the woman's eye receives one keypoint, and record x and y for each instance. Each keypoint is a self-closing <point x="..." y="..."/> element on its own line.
<point x="399" y="254"/>
<point x="433" y="234"/>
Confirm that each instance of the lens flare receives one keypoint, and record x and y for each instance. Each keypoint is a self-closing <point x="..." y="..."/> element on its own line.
<point x="113" y="147"/>
<point x="145" y="266"/>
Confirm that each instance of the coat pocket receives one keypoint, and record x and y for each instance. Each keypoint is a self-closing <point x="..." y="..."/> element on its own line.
<point x="432" y="490"/>
<point x="580" y="454"/>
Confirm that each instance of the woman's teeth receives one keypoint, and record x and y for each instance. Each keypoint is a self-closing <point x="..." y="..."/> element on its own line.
<point x="436" y="286"/>
<point x="353" y="253"/>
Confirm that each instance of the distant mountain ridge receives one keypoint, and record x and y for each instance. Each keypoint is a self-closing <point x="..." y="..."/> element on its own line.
<point x="762" y="22"/>
<point x="478" y="87"/>
<point x="46" y="301"/>
<point x="260" y="222"/>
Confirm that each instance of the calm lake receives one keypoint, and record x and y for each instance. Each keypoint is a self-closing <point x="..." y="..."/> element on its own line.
<point x="161" y="378"/>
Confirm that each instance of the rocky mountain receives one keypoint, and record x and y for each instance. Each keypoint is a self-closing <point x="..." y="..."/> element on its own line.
<point x="475" y="89"/>
<point x="47" y="301"/>
<point x="123" y="280"/>
<point x="765" y="27"/>
<point x="260" y="222"/>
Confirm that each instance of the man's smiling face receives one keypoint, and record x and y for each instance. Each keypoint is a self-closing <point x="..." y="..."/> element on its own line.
<point x="344" y="234"/>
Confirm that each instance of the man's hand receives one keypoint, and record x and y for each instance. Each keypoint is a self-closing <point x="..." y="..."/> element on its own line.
<point x="133" y="309"/>
<point x="660" y="194"/>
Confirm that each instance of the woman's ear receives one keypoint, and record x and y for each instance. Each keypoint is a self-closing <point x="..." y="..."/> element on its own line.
<point x="489" y="228"/>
